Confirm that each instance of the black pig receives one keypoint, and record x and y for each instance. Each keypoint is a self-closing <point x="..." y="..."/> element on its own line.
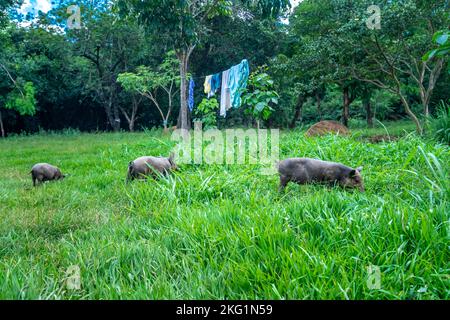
<point x="150" y="166"/>
<point x="305" y="170"/>
<point x="42" y="172"/>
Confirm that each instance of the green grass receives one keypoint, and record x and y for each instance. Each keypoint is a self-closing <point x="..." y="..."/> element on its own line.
<point x="222" y="231"/>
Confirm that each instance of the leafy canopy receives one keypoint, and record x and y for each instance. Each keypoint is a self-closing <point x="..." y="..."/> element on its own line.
<point x="146" y="79"/>
<point x="22" y="99"/>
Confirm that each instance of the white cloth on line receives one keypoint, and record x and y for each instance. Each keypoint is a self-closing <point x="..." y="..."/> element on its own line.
<point x="225" y="97"/>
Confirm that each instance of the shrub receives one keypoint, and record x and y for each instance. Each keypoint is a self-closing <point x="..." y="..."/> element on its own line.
<point x="207" y="111"/>
<point x="441" y="124"/>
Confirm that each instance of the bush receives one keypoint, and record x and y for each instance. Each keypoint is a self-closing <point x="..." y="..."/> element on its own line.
<point x="441" y="124"/>
<point x="207" y="111"/>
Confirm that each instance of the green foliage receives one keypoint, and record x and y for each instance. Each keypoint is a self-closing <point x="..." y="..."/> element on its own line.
<point x="22" y="99"/>
<point x="321" y="49"/>
<point x="383" y="104"/>
<point x="207" y="111"/>
<point x="268" y="8"/>
<point x="180" y="23"/>
<point x="141" y="81"/>
<point x="441" y="124"/>
<point x="145" y="79"/>
<point x="4" y="6"/>
<point x="442" y="39"/>
<point x="339" y="48"/>
<point x="260" y="96"/>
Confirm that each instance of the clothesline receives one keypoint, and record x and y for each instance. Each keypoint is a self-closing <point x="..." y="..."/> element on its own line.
<point x="197" y="78"/>
<point x="231" y="81"/>
<point x="203" y="77"/>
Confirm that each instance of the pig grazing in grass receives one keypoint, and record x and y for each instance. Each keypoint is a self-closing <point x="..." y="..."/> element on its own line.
<point x="42" y="172"/>
<point x="150" y="166"/>
<point x="305" y="170"/>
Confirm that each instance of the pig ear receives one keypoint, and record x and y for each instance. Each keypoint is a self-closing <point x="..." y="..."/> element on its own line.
<point x="359" y="169"/>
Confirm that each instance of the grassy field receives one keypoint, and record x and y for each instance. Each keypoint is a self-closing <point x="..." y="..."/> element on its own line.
<point x="223" y="231"/>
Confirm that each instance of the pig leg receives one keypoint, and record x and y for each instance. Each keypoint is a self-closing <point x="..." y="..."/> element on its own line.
<point x="34" y="180"/>
<point x="283" y="182"/>
<point x="40" y="179"/>
<point x="130" y="175"/>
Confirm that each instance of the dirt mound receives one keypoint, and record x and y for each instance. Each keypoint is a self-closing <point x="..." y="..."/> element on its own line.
<point x="324" y="127"/>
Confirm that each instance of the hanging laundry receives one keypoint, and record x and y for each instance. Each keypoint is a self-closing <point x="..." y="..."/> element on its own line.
<point x="237" y="82"/>
<point x="207" y="85"/>
<point x="225" y="98"/>
<point x="191" y="95"/>
<point x="215" y="84"/>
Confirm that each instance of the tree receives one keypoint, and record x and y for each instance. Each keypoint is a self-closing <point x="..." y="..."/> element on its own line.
<point x="15" y="92"/>
<point x="184" y="24"/>
<point x="390" y="58"/>
<point x="5" y="5"/>
<point x="147" y="83"/>
<point x="318" y="58"/>
<point x="111" y="44"/>
<point x="393" y="59"/>
<point x="21" y="98"/>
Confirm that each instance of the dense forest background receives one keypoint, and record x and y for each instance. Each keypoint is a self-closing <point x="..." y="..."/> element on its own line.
<point x="322" y="60"/>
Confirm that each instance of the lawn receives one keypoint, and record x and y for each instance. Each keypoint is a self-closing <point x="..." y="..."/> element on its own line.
<point x="224" y="232"/>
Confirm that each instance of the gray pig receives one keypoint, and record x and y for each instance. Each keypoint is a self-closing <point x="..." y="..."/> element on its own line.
<point x="305" y="170"/>
<point x="42" y="172"/>
<point x="150" y="166"/>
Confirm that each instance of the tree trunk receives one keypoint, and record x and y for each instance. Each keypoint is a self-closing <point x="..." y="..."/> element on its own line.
<point x="166" y="128"/>
<point x="298" y="111"/>
<point x="411" y="114"/>
<point x="1" y="125"/>
<point x="184" y="61"/>
<point x="369" y="113"/>
<point x="115" y="110"/>
<point x="134" y="112"/>
<point x="426" y="110"/>
<point x="131" y="125"/>
<point x="113" y="120"/>
<point x="427" y="93"/>
<point x="109" y="116"/>
<point x="132" y="119"/>
<point x="111" y="109"/>
<point x="116" y="118"/>
<point x="345" y="111"/>
<point x="319" y="108"/>
<point x="405" y="103"/>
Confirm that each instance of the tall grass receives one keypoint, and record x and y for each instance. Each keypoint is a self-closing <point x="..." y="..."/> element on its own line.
<point x="222" y="231"/>
<point x="441" y="124"/>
